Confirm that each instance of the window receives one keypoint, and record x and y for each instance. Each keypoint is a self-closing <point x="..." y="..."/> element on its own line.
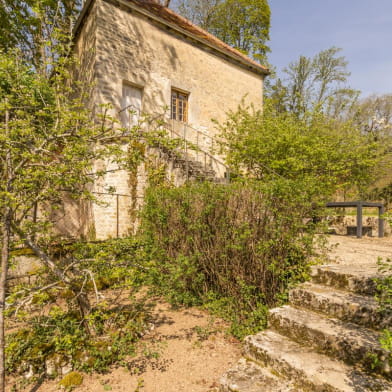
<point x="179" y="106"/>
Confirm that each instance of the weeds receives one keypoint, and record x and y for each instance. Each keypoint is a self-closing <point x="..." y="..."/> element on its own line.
<point x="235" y="249"/>
<point x="384" y="298"/>
<point x="55" y="341"/>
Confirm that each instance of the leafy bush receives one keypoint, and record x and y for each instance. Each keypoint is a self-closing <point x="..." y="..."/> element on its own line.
<point x="54" y="333"/>
<point x="57" y="340"/>
<point x="115" y="263"/>
<point x="237" y="248"/>
<point x="384" y="297"/>
<point x="328" y="154"/>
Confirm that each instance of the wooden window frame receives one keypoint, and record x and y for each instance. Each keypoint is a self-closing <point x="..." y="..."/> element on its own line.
<point x="179" y="102"/>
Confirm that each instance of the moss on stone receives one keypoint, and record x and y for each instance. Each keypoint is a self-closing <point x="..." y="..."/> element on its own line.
<point x="71" y="380"/>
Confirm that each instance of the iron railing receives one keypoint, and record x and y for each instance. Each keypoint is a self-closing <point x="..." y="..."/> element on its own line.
<point x="197" y="145"/>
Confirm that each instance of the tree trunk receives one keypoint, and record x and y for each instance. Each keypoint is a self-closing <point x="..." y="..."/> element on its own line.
<point x="6" y="234"/>
<point x="84" y="310"/>
<point x="81" y="297"/>
<point x="3" y="287"/>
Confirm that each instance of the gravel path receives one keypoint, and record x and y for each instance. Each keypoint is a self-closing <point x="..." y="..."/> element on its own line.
<point x="352" y="250"/>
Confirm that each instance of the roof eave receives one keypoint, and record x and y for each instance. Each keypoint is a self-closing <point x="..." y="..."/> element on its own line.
<point x="78" y="24"/>
<point x="260" y="70"/>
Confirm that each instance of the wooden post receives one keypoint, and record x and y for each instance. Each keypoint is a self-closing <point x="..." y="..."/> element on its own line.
<point x="359" y="220"/>
<point x="381" y="211"/>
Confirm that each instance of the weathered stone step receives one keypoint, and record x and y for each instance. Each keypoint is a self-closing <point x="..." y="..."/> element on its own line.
<point x="355" y="278"/>
<point x="358" y="309"/>
<point x="345" y="341"/>
<point x="247" y="376"/>
<point x="311" y="371"/>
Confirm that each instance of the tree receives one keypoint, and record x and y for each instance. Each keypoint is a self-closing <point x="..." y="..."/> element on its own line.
<point x="199" y="12"/>
<point x="342" y="104"/>
<point x="36" y="27"/>
<point x="277" y="95"/>
<point x="328" y="70"/>
<point x="374" y="115"/>
<point x="317" y="82"/>
<point x="48" y="146"/>
<point x="299" y="84"/>
<point x="243" y="24"/>
<point x="323" y="155"/>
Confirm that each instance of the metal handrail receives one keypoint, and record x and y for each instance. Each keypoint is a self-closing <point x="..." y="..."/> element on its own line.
<point x="195" y="129"/>
<point x="206" y="152"/>
<point x="200" y="132"/>
<point x="170" y="128"/>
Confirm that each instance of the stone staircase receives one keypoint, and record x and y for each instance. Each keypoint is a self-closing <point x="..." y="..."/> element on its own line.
<point x="323" y="341"/>
<point x="189" y="168"/>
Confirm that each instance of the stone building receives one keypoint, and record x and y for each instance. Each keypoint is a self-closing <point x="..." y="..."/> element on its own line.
<point x="143" y="56"/>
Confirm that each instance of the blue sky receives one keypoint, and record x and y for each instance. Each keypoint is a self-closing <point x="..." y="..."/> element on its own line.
<point x="362" y="28"/>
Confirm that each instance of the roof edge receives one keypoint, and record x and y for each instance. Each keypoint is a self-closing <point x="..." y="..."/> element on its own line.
<point x="79" y="20"/>
<point x="239" y="58"/>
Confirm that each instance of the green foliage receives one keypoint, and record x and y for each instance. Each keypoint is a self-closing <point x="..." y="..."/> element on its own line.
<point x="57" y="339"/>
<point x="374" y="115"/>
<point x="51" y="144"/>
<point x="48" y="139"/>
<point x="243" y="24"/>
<point x="384" y="297"/>
<point x="384" y="285"/>
<point x="235" y="248"/>
<point x="38" y="28"/>
<point x="114" y="263"/>
<point x="315" y="83"/>
<point x="247" y="313"/>
<point x="323" y="154"/>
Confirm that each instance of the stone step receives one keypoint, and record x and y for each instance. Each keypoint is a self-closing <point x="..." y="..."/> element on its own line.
<point x="247" y="376"/>
<point x="311" y="371"/>
<point x="346" y="306"/>
<point x="345" y="341"/>
<point x="358" y="279"/>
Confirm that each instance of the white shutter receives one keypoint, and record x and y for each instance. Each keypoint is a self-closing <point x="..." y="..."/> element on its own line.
<point x="131" y="105"/>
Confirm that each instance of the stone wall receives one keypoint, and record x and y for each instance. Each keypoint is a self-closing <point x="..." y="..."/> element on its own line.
<point x="343" y="224"/>
<point x="23" y="270"/>
<point x="85" y="53"/>
<point x="74" y="219"/>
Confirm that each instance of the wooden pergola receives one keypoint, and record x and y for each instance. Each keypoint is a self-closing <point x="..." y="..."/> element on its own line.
<point x="359" y="205"/>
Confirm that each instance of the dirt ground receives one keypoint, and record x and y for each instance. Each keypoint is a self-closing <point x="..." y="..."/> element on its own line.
<point x="354" y="251"/>
<point x="185" y="351"/>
